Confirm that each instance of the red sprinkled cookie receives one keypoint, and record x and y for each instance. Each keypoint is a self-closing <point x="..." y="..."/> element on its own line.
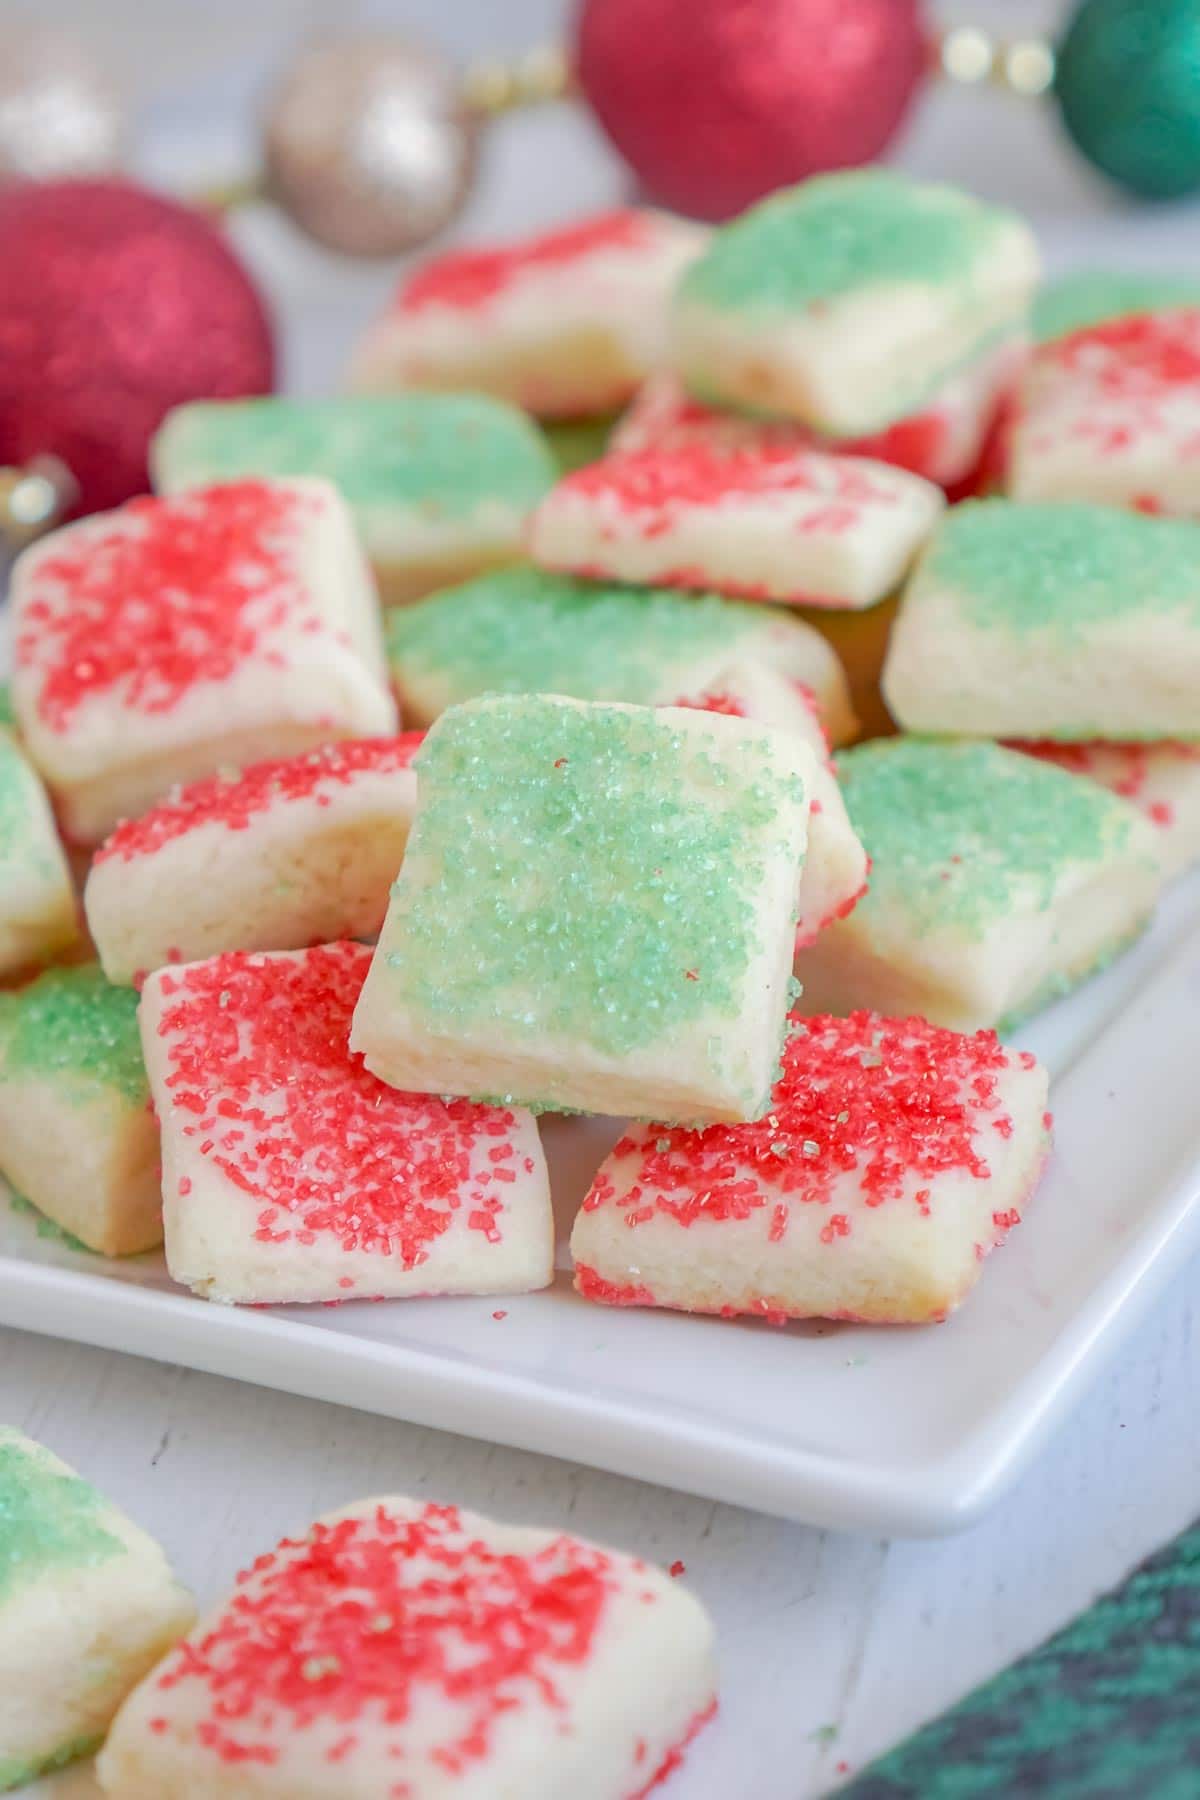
<point x="564" y="324"/>
<point x="405" y="1651"/>
<point x="766" y="521"/>
<point x="285" y="854"/>
<point x="1112" y="414"/>
<point x="171" y="638"/>
<point x="893" y="1157"/>
<point x="291" y="1174"/>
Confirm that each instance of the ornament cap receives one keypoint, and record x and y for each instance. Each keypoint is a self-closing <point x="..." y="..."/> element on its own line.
<point x="35" y="499"/>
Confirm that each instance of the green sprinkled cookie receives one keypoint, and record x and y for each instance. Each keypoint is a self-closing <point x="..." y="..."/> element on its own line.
<point x="87" y="1606"/>
<point x="846" y="301"/>
<point x="997" y="881"/>
<point x="439" y="484"/>
<point x="595" y="910"/>
<point x="38" y="913"/>
<point x="76" y="1132"/>
<point x="1051" y="621"/>
<point x="1091" y="296"/>
<point x="523" y="630"/>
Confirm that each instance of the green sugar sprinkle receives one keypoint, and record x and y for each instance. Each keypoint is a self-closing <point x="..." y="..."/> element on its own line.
<point x="1090" y="296"/>
<point x="72" y="1023"/>
<point x="1060" y="570"/>
<point x="46" y="1229"/>
<point x="7" y="715"/>
<point x="14" y="1774"/>
<point x="961" y="834"/>
<point x="521" y="630"/>
<point x="840" y="232"/>
<point x="49" y="1518"/>
<point x="443" y="454"/>
<point x="584" y="871"/>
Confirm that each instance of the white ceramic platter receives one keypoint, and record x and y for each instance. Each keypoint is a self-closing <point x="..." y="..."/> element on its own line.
<point x="902" y="1431"/>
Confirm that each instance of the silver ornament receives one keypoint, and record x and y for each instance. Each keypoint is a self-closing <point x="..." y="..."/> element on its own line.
<point x="59" y="115"/>
<point x="368" y="145"/>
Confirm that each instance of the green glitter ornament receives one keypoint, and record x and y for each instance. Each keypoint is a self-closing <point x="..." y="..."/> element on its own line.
<point x="1127" y="80"/>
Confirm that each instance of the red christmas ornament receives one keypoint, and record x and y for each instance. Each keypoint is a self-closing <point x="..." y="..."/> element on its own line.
<point x="115" y="305"/>
<point x="716" y="102"/>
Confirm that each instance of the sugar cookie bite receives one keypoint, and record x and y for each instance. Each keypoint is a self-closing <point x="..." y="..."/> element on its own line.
<point x="400" y="1648"/>
<point x="845" y="302"/>
<point x="38" y="913"/>
<point x="769" y="522"/>
<point x="1111" y="414"/>
<point x="596" y="910"/>
<point x="77" y="1136"/>
<point x="174" y="637"/>
<point x="289" y="1173"/>
<point x="1067" y="622"/>
<point x="298" y="851"/>
<point x="564" y="324"/>
<point x="438" y="485"/>
<point x="527" y="631"/>
<point x="997" y="883"/>
<point x="88" y="1605"/>
<point x="894" y="1155"/>
<point x="530" y="631"/>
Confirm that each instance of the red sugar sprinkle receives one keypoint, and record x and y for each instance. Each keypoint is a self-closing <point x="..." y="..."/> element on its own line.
<point x="881" y="1099"/>
<point x="326" y="1148"/>
<point x="236" y="801"/>
<point x="677" y="1568"/>
<point x="1162" y="349"/>
<point x="666" y="417"/>
<point x="353" y="1621"/>
<point x="610" y="1293"/>
<point x="715" y="703"/>
<point x="201" y="582"/>
<point x="501" y="1314"/>
<point x="659" y="482"/>
<point x="674" y="1757"/>
<point x="466" y="279"/>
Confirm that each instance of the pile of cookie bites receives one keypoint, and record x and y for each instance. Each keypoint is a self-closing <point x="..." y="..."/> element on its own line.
<point x="720" y="680"/>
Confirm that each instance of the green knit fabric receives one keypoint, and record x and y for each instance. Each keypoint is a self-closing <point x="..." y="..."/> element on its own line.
<point x="1105" y="1710"/>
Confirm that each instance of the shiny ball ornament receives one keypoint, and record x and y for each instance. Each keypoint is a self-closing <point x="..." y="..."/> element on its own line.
<point x="1127" y="81"/>
<point x="115" y="305"/>
<point x="59" y="114"/>
<point x="368" y="145"/>
<point x="716" y="102"/>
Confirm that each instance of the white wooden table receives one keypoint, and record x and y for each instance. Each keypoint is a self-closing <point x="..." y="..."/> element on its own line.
<point x="832" y="1647"/>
